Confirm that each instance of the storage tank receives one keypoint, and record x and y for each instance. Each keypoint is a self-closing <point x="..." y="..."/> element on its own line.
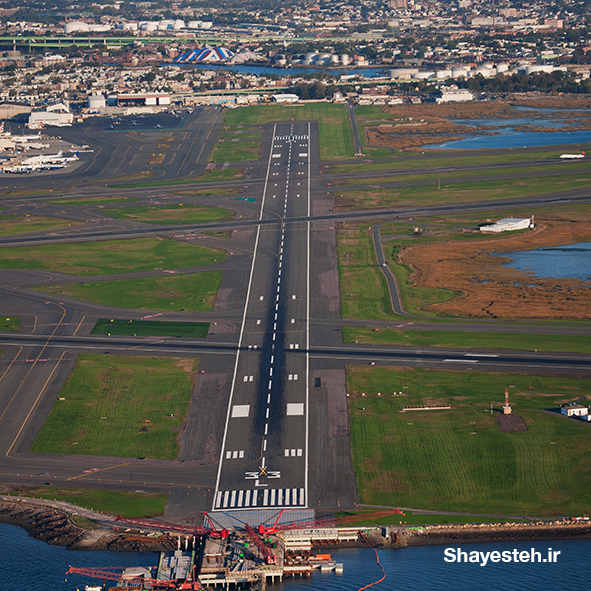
<point x="443" y="74"/>
<point x="345" y="59"/>
<point x="483" y="71"/>
<point x="422" y="75"/>
<point x="178" y="24"/>
<point x="502" y="67"/>
<point x="460" y="72"/>
<point x="323" y="58"/>
<point x="310" y="57"/>
<point x="402" y="73"/>
<point x="149" y="26"/>
<point x="129" y="26"/>
<point x="334" y="60"/>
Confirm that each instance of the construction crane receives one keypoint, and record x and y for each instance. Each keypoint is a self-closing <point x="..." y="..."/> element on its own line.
<point x="336" y="522"/>
<point x="269" y="557"/>
<point x="140" y="582"/>
<point x="177" y="528"/>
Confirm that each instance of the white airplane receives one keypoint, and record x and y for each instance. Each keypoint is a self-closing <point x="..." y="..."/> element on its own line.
<point x="572" y="156"/>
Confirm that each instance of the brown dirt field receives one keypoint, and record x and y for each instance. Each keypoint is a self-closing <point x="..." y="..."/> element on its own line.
<point x="491" y="290"/>
<point x="156" y="159"/>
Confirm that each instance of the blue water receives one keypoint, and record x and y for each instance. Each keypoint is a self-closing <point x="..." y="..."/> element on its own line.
<point x="570" y="260"/>
<point x="267" y="70"/>
<point x="509" y="138"/>
<point x="30" y="565"/>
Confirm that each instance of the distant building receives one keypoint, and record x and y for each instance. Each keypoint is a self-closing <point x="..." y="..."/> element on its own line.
<point x="574" y="410"/>
<point x="286" y="98"/>
<point x="509" y="224"/>
<point x="55" y="115"/>
<point x="461" y="95"/>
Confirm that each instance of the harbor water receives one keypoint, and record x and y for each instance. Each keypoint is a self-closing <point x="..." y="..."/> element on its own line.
<point x="27" y="564"/>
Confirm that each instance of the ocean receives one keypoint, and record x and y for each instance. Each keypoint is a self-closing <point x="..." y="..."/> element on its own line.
<point x="27" y="564"/>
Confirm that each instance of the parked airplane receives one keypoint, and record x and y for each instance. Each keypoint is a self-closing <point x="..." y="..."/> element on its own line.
<point x="572" y="156"/>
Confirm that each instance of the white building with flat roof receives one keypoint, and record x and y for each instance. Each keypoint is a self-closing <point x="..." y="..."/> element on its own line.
<point x="509" y="224"/>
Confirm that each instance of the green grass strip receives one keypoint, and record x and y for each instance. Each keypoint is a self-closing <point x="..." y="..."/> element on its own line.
<point x="18" y="224"/>
<point x="126" y="504"/>
<point x="156" y="328"/>
<point x="469" y="340"/>
<point x="433" y="161"/>
<point x="177" y="293"/>
<point x="110" y="256"/>
<point x="175" y="215"/>
<point x="236" y="151"/>
<point x="458" y="192"/>
<point x="120" y="406"/>
<point x="91" y="201"/>
<point x="205" y="177"/>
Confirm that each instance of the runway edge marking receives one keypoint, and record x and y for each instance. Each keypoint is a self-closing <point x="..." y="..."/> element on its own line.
<point x="254" y="256"/>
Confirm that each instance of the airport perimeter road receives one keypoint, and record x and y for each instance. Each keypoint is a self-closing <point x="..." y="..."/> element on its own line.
<point x="264" y="455"/>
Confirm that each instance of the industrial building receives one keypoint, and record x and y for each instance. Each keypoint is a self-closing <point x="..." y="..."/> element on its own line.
<point x="509" y="224"/>
<point x="57" y="115"/>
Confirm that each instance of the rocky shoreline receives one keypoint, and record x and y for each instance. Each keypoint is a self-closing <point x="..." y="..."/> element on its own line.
<point x="55" y="526"/>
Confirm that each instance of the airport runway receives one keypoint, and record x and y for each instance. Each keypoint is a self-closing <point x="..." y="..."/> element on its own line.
<point x="268" y="424"/>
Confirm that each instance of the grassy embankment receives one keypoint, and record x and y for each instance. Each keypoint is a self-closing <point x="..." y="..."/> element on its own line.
<point x="126" y="504"/>
<point x="457" y="192"/>
<point x="120" y="406"/>
<point x="335" y="138"/>
<point x="18" y="224"/>
<point x="177" y="214"/>
<point x="111" y="256"/>
<point x="459" y="460"/>
<point x="149" y="328"/>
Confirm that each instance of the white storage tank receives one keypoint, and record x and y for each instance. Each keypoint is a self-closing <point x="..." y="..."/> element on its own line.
<point x="345" y="59"/>
<point x="178" y="24"/>
<point x="422" y="75"/>
<point x="334" y="59"/>
<point x="442" y="74"/>
<point x="460" y="72"/>
<point x="502" y="67"/>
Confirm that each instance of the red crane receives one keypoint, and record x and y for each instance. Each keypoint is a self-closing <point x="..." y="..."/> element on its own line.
<point x="175" y="527"/>
<point x="140" y="582"/>
<point x="269" y="557"/>
<point x="335" y="522"/>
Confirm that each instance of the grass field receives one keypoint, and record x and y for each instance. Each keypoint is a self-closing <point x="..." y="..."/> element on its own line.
<point x="151" y="328"/>
<point x="120" y="406"/>
<point x="458" y="192"/>
<point x="335" y="138"/>
<point x="126" y="504"/>
<point x="207" y="176"/>
<point x="459" y="460"/>
<point x="91" y="201"/>
<point x="179" y="214"/>
<point x="10" y="324"/>
<point x="236" y="151"/>
<point x="467" y="340"/>
<point x="418" y="162"/>
<point x="195" y="292"/>
<point x="364" y="291"/>
<point x="110" y="256"/>
<point x="17" y="224"/>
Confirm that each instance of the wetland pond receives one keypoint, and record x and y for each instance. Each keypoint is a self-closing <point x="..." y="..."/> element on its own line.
<point x="567" y="261"/>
